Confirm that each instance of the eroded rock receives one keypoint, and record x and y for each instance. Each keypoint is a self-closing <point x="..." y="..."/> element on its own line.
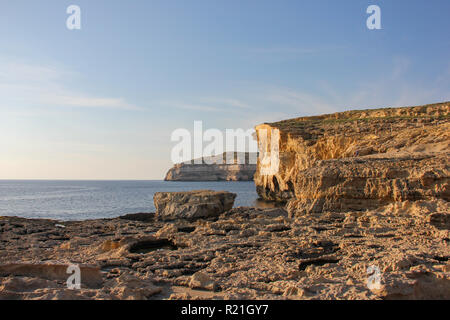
<point x="245" y="253"/>
<point x="192" y="204"/>
<point x="356" y="160"/>
<point x="201" y="280"/>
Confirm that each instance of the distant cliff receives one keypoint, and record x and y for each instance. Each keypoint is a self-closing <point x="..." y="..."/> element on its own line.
<point x="215" y="168"/>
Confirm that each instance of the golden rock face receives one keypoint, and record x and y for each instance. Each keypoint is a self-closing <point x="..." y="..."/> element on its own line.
<point x="359" y="160"/>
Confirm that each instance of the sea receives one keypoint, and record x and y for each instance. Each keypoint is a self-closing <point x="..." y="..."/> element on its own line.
<point x="83" y="200"/>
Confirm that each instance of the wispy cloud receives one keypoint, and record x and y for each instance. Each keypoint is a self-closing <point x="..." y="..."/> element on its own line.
<point x="25" y="84"/>
<point x="285" y="53"/>
<point x="268" y="103"/>
<point x="77" y="100"/>
<point x="394" y="89"/>
<point x="209" y="104"/>
<point x="397" y="89"/>
<point x="188" y="106"/>
<point x="284" y="50"/>
<point x="401" y="66"/>
<point x="299" y="101"/>
<point x="227" y="102"/>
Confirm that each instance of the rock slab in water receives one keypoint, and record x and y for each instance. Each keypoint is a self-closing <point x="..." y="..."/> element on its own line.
<point x="192" y="204"/>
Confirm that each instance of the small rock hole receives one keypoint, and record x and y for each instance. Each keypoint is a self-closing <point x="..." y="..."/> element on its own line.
<point x="147" y="246"/>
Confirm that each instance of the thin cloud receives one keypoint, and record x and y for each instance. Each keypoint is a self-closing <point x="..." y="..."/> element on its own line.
<point x="210" y="105"/>
<point x="394" y="89"/>
<point x="284" y="50"/>
<point x="281" y="53"/>
<point x="227" y="102"/>
<point x="24" y="84"/>
<point x="301" y="102"/>
<point x="70" y="99"/>
<point x="194" y="107"/>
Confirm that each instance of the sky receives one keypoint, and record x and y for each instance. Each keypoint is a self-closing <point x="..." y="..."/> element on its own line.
<point x="102" y="102"/>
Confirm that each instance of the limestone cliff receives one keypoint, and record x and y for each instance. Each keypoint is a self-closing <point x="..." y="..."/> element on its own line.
<point x="216" y="168"/>
<point x="355" y="160"/>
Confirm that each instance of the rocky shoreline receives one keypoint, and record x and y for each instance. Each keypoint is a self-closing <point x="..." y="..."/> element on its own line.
<point x="245" y="253"/>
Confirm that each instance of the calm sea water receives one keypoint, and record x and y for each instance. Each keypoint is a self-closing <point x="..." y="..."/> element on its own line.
<point x="80" y="200"/>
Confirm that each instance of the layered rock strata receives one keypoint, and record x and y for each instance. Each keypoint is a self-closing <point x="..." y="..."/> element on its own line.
<point x="226" y="167"/>
<point x="356" y="160"/>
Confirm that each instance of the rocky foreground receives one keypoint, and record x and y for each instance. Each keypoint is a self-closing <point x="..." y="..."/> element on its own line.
<point x="245" y="253"/>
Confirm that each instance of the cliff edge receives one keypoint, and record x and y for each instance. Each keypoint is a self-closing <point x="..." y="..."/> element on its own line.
<point x="356" y="160"/>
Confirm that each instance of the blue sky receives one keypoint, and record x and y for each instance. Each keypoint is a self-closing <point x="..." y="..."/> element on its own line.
<point x="101" y="102"/>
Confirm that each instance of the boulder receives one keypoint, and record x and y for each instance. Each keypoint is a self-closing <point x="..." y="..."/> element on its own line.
<point x="202" y="281"/>
<point x="192" y="204"/>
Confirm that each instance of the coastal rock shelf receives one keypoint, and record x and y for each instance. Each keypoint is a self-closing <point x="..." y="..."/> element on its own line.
<point x="357" y="160"/>
<point x="211" y="169"/>
<point x="246" y="253"/>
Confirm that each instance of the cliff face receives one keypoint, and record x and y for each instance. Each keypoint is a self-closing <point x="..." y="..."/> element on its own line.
<point x="356" y="160"/>
<point x="212" y="170"/>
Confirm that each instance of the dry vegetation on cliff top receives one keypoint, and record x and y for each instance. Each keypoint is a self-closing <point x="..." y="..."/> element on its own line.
<point x="436" y="110"/>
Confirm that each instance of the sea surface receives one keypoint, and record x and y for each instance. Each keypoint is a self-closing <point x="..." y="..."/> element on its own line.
<point x="81" y="200"/>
